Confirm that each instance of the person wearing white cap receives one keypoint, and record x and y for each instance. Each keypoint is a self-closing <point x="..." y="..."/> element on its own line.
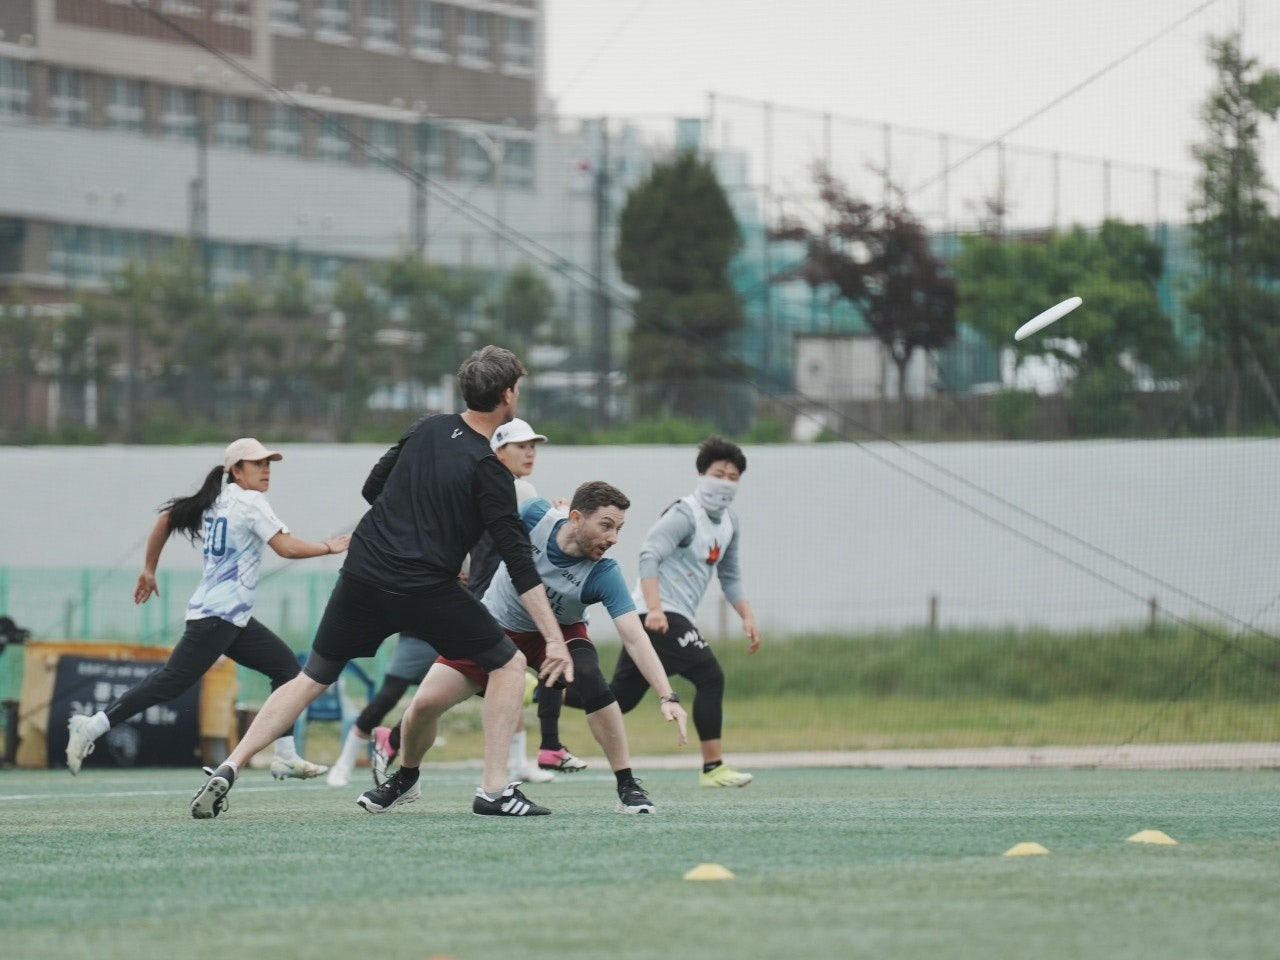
<point x="232" y="517"/>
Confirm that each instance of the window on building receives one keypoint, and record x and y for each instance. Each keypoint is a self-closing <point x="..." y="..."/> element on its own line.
<point x="232" y="126"/>
<point x="384" y="142"/>
<point x="517" y="165"/>
<point x="473" y="38"/>
<point x="67" y="102"/>
<point x="284" y="135"/>
<point x="380" y="27"/>
<point x="15" y="89"/>
<point x="234" y="11"/>
<point x="284" y="13"/>
<point x="333" y="17"/>
<point x="230" y="264"/>
<point x="178" y="120"/>
<point x="125" y="110"/>
<point x="331" y="139"/>
<point x="429" y="150"/>
<point x="517" y="45"/>
<point x="474" y="164"/>
<point x="182" y="8"/>
<point x="428" y="29"/>
<point x="119" y="248"/>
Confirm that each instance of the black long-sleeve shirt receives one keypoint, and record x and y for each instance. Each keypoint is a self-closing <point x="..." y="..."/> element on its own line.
<point x="432" y="496"/>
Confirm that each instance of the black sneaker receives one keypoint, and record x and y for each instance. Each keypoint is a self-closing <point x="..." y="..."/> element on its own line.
<point x="211" y="799"/>
<point x="633" y="799"/>
<point x="510" y="803"/>
<point x="397" y="789"/>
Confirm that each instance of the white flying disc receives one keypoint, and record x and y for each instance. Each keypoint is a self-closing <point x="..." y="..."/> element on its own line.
<point x="1042" y="320"/>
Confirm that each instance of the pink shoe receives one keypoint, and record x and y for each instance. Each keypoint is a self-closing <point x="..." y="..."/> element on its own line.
<point x="383" y="754"/>
<point x="560" y="759"/>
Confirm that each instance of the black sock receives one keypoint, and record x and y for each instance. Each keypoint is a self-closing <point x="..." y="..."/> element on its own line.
<point x="623" y="775"/>
<point x="394" y="738"/>
<point x="409" y="774"/>
<point x="708" y="767"/>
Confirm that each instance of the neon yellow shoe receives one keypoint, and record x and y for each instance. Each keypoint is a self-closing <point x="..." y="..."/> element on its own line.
<point x="724" y="776"/>
<point x="530" y="685"/>
<point x="296" y="769"/>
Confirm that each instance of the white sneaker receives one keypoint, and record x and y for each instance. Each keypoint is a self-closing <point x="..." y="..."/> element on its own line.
<point x="530" y="773"/>
<point x="297" y="769"/>
<point x="79" y="743"/>
<point x="339" y="775"/>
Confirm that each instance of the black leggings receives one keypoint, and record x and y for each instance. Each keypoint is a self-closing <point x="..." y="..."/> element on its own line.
<point x="683" y="653"/>
<point x="388" y="695"/>
<point x="630" y="686"/>
<point x="252" y="646"/>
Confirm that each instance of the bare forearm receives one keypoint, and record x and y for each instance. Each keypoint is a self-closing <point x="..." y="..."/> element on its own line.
<point x="156" y="540"/>
<point x="640" y="649"/>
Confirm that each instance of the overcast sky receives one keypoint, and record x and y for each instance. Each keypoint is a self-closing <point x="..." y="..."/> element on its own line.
<point x="972" y="68"/>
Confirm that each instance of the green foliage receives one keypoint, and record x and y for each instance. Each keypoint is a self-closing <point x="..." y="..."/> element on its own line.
<point x="880" y="260"/>
<point x="1014" y="413"/>
<point x="677" y="237"/>
<point x="1034" y="665"/>
<point x="523" y="306"/>
<point x="1235" y="228"/>
<point x="765" y="430"/>
<point x="1114" y="270"/>
<point x="1102" y="403"/>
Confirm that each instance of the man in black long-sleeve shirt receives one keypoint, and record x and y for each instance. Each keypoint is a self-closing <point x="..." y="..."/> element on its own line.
<point x="432" y="495"/>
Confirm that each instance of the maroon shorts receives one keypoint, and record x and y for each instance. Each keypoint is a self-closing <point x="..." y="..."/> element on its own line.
<point x="530" y="644"/>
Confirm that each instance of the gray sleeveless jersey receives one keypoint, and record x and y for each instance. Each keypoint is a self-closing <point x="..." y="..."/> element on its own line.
<point x="684" y="569"/>
<point x="563" y="584"/>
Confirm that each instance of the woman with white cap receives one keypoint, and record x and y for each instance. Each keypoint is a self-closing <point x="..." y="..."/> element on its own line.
<point x="232" y="517"/>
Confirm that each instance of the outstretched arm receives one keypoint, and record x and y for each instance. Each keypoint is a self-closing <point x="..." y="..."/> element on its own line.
<point x="156" y="540"/>
<point x="640" y="649"/>
<point x="295" y="548"/>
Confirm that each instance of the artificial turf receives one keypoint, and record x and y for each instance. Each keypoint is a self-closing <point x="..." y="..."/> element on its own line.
<point x="827" y="863"/>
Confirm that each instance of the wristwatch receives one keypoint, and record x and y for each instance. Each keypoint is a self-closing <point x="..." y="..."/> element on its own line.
<point x="673" y="697"/>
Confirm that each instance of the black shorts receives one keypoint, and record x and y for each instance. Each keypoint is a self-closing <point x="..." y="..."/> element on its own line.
<point x="681" y="647"/>
<point x="359" y="616"/>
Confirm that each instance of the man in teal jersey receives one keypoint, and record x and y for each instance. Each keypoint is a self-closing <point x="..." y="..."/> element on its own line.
<point x="568" y="551"/>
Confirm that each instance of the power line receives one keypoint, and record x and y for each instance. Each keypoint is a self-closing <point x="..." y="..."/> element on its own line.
<point x="1036" y="114"/>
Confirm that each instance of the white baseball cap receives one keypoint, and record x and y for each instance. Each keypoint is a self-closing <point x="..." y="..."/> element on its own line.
<point x="247" y="448"/>
<point x="516" y="431"/>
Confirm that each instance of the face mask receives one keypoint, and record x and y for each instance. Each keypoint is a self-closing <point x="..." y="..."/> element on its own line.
<point x="715" y="494"/>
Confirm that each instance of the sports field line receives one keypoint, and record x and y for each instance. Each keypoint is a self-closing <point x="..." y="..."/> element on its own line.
<point x="1157" y="756"/>
<point x="451" y="778"/>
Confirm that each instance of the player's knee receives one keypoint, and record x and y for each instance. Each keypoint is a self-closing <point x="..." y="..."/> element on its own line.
<point x="708" y="678"/>
<point x="591" y="687"/>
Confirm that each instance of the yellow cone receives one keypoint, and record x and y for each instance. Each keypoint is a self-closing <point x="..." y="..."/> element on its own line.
<point x="708" y="871"/>
<point x="1026" y="850"/>
<point x="1152" y="836"/>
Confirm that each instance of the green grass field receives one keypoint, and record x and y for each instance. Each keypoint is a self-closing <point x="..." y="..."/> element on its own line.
<point x="828" y="863"/>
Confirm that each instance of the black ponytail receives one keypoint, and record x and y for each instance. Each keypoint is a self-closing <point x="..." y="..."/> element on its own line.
<point x="186" y="514"/>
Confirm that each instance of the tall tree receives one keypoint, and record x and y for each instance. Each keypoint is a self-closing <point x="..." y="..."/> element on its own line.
<point x="676" y="238"/>
<point x="1236" y="233"/>
<point x="880" y="260"/>
<point x="1115" y="269"/>
<point x="22" y="341"/>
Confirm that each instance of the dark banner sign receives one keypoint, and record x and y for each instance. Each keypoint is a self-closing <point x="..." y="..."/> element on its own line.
<point x="166" y="735"/>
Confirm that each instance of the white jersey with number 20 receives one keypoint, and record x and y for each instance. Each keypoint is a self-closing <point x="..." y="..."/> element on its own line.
<point x="236" y="528"/>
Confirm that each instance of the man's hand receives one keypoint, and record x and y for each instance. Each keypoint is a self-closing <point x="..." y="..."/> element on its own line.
<point x="556" y="663"/>
<point x="655" y="621"/>
<point x="749" y="628"/>
<point x="673" y="711"/>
